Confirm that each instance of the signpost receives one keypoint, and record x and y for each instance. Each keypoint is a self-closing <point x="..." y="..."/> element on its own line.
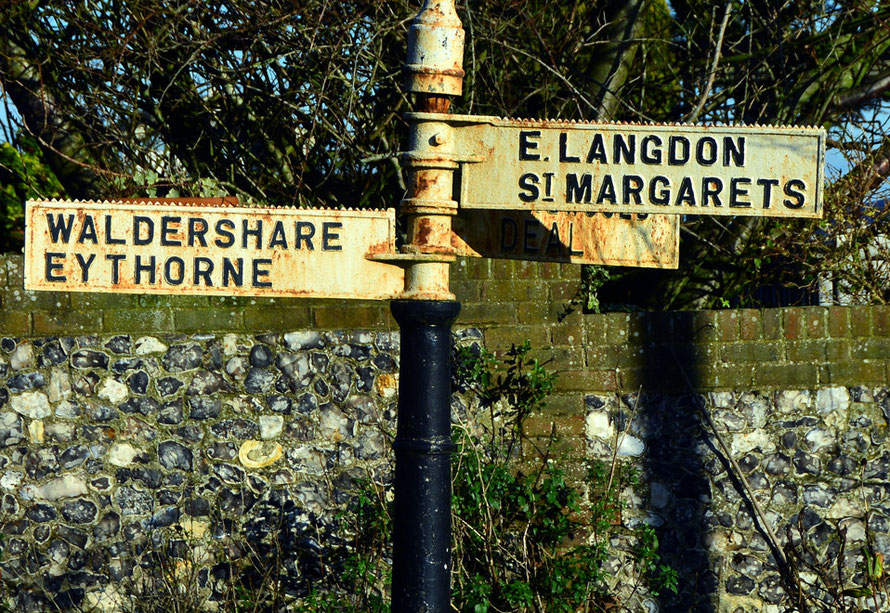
<point x="220" y="250"/>
<point x="760" y="171"/>
<point x="605" y="239"/>
<point x="555" y="191"/>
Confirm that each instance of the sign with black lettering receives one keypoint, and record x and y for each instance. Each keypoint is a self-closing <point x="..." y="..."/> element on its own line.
<point x="628" y="168"/>
<point x="220" y="250"/>
<point x="606" y="239"/>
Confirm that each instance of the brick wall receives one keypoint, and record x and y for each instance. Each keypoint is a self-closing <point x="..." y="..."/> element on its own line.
<point x="513" y="301"/>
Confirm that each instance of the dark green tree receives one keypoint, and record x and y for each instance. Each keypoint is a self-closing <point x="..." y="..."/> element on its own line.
<point x="299" y="103"/>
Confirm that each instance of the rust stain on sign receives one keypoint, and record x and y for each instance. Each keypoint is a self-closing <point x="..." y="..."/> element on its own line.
<point x="652" y="241"/>
<point x="220" y="250"/>
<point x="536" y="165"/>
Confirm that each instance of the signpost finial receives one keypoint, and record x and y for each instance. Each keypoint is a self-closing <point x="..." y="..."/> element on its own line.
<point x="435" y="51"/>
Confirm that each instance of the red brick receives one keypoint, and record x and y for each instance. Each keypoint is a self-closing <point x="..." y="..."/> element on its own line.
<point x="749" y="324"/>
<point x="586" y="381"/>
<point x="772" y="323"/>
<point x="881" y="320"/>
<point x="564" y="290"/>
<point x="572" y="335"/>
<point x="727" y="323"/>
<point x="572" y="425"/>
<point x="839" y="322"/>
<point x="860" y="321"/>
<point x="814" y="321"/>
<point x="793" y="323"/>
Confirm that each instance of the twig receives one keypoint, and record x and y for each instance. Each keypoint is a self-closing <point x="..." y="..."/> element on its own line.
<point x="693" y="116"/>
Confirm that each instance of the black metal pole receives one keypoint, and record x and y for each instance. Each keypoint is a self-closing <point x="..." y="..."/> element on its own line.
<point x="421" y="573"/>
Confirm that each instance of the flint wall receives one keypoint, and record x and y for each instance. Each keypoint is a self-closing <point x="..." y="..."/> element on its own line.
<point x="124" y="414"/>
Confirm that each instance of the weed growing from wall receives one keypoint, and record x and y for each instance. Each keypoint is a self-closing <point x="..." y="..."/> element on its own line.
<point x="526" y="537"/>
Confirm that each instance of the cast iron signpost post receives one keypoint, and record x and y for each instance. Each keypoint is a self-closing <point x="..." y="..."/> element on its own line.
<point x="534" y="190"/>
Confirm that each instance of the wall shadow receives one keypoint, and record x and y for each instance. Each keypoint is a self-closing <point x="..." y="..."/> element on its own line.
<point x="677" y="453"/>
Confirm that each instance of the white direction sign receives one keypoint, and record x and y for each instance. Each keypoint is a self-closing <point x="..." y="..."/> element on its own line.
<point x="630" y="168"/>
<point x="218" y="250"/>
<point x="606" y="239"/>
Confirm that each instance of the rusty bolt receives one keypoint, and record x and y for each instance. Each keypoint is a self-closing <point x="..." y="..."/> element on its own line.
<point x="437" y="140"/>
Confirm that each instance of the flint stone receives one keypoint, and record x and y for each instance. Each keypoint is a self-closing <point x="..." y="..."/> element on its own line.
<point x="138" y="382"/>
<point x="793" y="401"/>
<point x="785" y="492"/>
<point x="175" y="455"/>
<point x="206" y="383"/>
<point x="74" y="456"/>
<point x="390" y="341"/>
<point x="151" y="477"/>
<point x="304" y="339"/>
<point x="261" y="356"/>
<point x="89" y="358"/>
<point x="40" y="463"/>
<point x="832" y="400"/>
<point x="777" y="464"/>
<point x="162" y="519"/>
<point x="818" y="494"/>
<point x="270" y="426"/>
<point x="171" y="414"/>
<point x="191" y="433"/>
<point x="41" y="513"/>
<point x="384" y="363"/>
<point x="228" y="473"/>
<point x="259" y="381"/>
<point x="341" y="381"/>
<point x="25" y="381"/>
<point x="235" y="428"/>
<point x="113" y="391"/>
<point x="33" y="405"/>
<point x="236" y="367"/>
<point x="180" y="358"/>
<point x="53" y="354"/>
<point x="149" y="344"/>
<point x="365" y="381"/>
<point x="740" y="585"/>
<point x="122" y="454"/>
<point x="4" y="396"/>
<point x="804" y="463"/>
<point x="107" y="527"/>
<point x="11" y="429"/>
<point x="59" y="386"/>
<point x="86" y="384"/>
<point x="42" y="533"/>
<point x="67" y="486"/>
<point x="296" y="368"/>
<point x="631" y="446"/>
<point x="819" y="439"/>
<point x="118" y="344"/>
<point x="222" y="451"/>
<point x="80" y="511"/>
<point x="167" y="386"/>
<point x="321" y="388"/>
<point x="133" y="501"/>
<point x="144" y="405"/>
<point x="280" y="404"/>
<point x="15" y="527"/>
<point x="204" y="408"/>
<point x="11" y="480"/>
<point x="334" y="425"/>
<point x="22" y="356"/>
<point x="102" y="413"/>
<point x="103" y="484"/>
<point x="842" y="465"/>
<point x="360" y="353"/>
<point x="320" y="362"/>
